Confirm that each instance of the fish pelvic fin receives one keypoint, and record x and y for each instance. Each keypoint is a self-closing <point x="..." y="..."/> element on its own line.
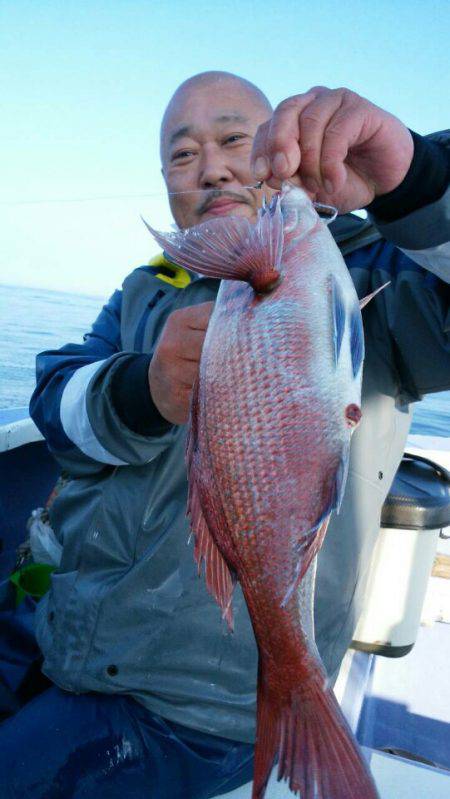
<point x="305" y="730"/>
<point x="231" y="248"/>
<point x="220" y="581"/>
<point x="365" y="300"/>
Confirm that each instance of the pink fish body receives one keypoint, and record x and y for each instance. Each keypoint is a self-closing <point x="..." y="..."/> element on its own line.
<point x="272" y="415"/>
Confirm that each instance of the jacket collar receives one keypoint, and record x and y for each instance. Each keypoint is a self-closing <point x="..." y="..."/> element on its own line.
<point x="351" y="232"/>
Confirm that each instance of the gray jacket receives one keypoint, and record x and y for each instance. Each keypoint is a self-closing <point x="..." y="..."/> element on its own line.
<point x="126" y="612"/>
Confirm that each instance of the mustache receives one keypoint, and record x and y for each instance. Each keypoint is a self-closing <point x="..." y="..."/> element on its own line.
<point x="213" y="195"/>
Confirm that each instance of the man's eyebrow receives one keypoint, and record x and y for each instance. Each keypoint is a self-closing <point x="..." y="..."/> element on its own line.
<point x="184" y="130"/>
<point x="231" y="118"/>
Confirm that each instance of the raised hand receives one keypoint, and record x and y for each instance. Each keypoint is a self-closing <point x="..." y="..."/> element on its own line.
<point x="341" y="148"/>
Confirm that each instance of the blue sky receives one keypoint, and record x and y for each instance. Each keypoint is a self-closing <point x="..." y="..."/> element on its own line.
<point x="84" y="85"/>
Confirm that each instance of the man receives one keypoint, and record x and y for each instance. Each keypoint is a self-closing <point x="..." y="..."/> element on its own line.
<point x="167" y="696"/>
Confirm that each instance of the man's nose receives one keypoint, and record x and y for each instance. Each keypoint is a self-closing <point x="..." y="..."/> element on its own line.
<point x="213" y="168"/>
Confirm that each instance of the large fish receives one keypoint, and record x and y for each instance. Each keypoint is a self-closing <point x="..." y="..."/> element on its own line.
<point x="272" y="414"/>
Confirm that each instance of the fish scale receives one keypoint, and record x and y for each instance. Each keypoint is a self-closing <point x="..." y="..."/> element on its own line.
<point x="277" y="396"/>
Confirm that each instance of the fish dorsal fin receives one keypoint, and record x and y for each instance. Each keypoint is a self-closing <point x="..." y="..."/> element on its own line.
<point x="219" y="580"/>
<point x="231" y="248"/>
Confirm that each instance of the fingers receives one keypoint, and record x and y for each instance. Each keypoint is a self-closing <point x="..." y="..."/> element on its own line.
<point x="178" y="350"/>
<point x="313" y="123"/>
<point x="175" y="363"/>
<point x="197" y="316"/>
<point x="186" y="373"/>
<point x="188" y="344"/>
<point x="185" y="330"/>
<point x="308" y="139"/>
<point x="260" y="164"/>
<point x="276" y="151"/>
<point x="344" y="130"/>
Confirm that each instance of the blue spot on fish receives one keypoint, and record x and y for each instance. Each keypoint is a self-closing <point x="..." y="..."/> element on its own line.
<point x="338" y="308"/>
<point x="356" y="339"/>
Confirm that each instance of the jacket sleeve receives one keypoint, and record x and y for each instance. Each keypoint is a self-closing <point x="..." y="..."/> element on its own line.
<point x="414" y="221"/>
<point x="416" y="216"/>
<point x="73" y="408"/>
<point x="407" y="325"/>
<point x="424" y="236"/>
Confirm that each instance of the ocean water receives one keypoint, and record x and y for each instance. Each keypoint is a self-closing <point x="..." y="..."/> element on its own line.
<point x="33" y="320"/>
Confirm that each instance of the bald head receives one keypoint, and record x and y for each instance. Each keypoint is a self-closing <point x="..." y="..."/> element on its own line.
<point x="207" y="134"/>
<point x="221" y="88"/>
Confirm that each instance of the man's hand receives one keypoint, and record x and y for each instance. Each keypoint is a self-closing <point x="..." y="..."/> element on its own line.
<point x="174" y="366"/>
<point x="341" y="148"/>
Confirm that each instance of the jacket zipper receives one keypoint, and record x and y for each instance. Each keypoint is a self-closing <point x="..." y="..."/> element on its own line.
<point x="140" y="330"/>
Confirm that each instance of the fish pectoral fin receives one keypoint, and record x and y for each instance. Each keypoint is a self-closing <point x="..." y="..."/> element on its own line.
<point x="231" y="248"/>
<point x="220" y="581"/>
<point x="308" y="548"/>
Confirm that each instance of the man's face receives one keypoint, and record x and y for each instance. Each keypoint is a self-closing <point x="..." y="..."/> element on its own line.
<point x="206" y="145"/>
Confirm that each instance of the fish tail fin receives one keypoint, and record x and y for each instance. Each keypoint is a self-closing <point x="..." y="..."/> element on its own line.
<point x="231" y="248"/>
<point x="308" y="734"/>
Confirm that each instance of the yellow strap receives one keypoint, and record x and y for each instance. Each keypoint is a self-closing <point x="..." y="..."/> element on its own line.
<point x="180" y="277"/>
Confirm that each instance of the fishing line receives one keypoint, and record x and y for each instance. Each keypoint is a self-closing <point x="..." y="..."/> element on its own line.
<point x="119" y="196"/>
<point x="197" y="191"/>
<point x="328" y="212"/>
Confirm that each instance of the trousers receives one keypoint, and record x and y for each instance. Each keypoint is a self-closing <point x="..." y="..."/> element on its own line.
<point x="97" y="746"/>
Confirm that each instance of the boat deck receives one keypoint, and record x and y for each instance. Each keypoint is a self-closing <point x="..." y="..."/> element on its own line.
<point x="401" y="704"/>
<point x="395" y="778"/>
